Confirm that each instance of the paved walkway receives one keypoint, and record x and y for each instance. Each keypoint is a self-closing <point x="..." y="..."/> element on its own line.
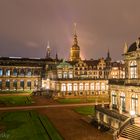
<point x="47" y="106"/>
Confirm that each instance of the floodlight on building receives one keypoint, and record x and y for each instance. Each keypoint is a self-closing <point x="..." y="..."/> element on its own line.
<point x="132" y="113"/>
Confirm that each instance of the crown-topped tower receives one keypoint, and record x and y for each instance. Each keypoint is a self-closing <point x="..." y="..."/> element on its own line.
<point x="75" y="49"/>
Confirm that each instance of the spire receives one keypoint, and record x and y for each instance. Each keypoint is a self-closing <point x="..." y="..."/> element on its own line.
<point x="48" y="50"/>
<point x="56" y="56"/>
<point x="75" y="35"/>
<point x="125" y="48"/>
<point x="108" y="58"/>
<point x="108" y="54"/>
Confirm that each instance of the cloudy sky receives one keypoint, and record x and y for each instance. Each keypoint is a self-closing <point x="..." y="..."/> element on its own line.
<point x="27" y="25"/>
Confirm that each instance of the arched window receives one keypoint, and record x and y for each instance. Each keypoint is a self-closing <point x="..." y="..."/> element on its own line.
<point x="69" y="85"/>
<point x="103" y="86"/>
<point x="63" y="87"/>
<point x="29" y="72"/>
<point x="15" y="73"/>
<point x="15" y="84"/>
<point x="8" y="84"/>
<point x="75" y="88"/>
<point x="133" y="69"/>
<point x="81" y="86"/>
<point x="22" y="72"/>
<point x="122" y="101"/>
<point x="86" y="86"/>
<point x="92" y="86"/>
<point x="114" y="98"/>
<point x="97" y="86"/>
<point x="7" y="72"/>
<point x="22" y="83"/>
<point x="134" y="103"/>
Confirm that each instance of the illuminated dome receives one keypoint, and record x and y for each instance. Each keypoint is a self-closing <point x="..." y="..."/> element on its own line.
<point x="134" y="46"/>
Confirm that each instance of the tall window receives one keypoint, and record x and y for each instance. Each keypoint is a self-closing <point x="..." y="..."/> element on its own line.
<point x="122" y="101"/>
<point x="29" y="73"/>
<point x="92" y="86"/>
<point x="70" y="74"/>
<point x="22" y="83"/>
<point x="97" y="86"/>
<point x="15" y="84"/>
<point x="81" y="86"/>
<point x="15" y="72"/>
<point x="60" y="75"/>
<point x="7" y="72"/>
<point x="22" y="72"/>
<point x="133" y="69"/>
<point x="69" y="85"/>
<point x="65" y="75"/>
<point x="102" y="86"/>
<point x="114" y="98"/>
<point x="1" y="72"/>
<point x="75" y="88"/>
<point x="87" y="86"/>
<point x="63" y="87"/>
<point x="28" y="83"/>
<point x="8" y="84"/>
<point x="134" y="103"/>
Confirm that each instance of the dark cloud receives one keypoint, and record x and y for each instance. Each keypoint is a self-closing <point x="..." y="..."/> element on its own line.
<point x="27" y="25"/>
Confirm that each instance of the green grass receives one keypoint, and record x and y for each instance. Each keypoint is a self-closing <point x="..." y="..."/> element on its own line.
<point x="82" y="100"/>
<point x="12" y="100"/>
<point x="15" y="91"/>
<point x="68" y="101"/>
<point x="27" y="125"/>
<point x="85" y="110"/>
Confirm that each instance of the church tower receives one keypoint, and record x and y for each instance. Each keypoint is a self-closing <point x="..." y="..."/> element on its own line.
<point x="75" y="49"/>
<point x="48" y="51"/>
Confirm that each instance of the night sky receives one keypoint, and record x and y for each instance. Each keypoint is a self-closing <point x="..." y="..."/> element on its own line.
<point x="27" y="25"/>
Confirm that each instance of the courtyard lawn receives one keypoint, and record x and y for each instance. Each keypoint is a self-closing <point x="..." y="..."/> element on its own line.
<point x="85" y="110"/>
<point x="70" y="101"/>
<point x="12" y="100"/>
<point x="27" y="125"/>
<point x="82" y="100"/>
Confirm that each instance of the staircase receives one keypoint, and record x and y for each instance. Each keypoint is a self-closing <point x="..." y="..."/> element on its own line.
<point x="131" y="132"/>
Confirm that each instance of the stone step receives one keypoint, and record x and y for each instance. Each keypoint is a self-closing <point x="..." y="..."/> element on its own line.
<point x="132" y="132"/>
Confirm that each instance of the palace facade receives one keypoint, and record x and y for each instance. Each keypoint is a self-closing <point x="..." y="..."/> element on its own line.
<point x="73" y="77"/>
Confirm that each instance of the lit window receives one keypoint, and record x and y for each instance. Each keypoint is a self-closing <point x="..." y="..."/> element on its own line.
<point x="65" y="75"/>
<point x="1" y="72"/>
<point x="92" y="86"/>
<point x="15" y="72"/>
<point x="63" y="87"/>
<point x="87" y="86"/>
<point x="7" y="72"/>
<point x="69" y="85"/>
<point x="97" y="86"/>
<point x="59" y="75"/>
<point x="114" y="98"/>
<point x="70" y="75"/>
<point x="133" y="69"/>
<point x="29" y="73"/>
<point x="102" y="86"/>
<point x="81" y="86"/>
<point x="75" y="88"/>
